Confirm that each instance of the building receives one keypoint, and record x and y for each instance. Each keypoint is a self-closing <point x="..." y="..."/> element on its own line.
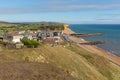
<point x="13" y="37"/>
<point x="16" y="39"/>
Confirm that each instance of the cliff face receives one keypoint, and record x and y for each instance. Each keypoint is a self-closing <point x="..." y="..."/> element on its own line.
<point x="73" y="60"/>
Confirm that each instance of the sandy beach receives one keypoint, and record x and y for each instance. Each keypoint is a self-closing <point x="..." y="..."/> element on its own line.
<point x="93" y="49"/>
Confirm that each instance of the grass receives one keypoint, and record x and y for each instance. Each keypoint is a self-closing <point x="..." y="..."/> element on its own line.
<point x="32" y="71"/>
<point x="102" y="65"/>
<point x="78" y="62"/>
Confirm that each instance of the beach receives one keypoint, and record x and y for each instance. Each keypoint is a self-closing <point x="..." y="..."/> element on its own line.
<point x="93" y="49"/>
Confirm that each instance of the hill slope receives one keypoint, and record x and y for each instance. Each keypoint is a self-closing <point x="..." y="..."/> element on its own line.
<point x="31" y="71"/>
<point x="79" y="63"/>
<point x="6" y="24"/>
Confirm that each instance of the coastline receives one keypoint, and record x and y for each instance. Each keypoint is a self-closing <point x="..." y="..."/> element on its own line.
<point x="93" y="49"/>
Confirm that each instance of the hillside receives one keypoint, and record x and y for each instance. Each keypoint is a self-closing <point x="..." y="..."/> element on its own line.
<point x="10" y="27"/>
<point x="31" y="71"/>
<point x="79" y="63"/>
<point x="6" y="24"/>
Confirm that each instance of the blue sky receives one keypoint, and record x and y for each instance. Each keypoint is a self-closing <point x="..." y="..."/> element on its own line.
<point x="65" y="11"/>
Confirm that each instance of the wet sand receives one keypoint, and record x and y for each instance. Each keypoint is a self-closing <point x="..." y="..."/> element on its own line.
<point x="93" y="49"/>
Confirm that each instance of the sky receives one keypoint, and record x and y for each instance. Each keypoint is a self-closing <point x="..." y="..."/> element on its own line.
<point x="64" y="11"/>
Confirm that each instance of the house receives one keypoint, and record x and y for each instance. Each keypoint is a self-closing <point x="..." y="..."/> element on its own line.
<point x="21" y="32"/>
<point x="56" y="35"/>
<point x="30" y="37"/>
<point x="13" y="37"/>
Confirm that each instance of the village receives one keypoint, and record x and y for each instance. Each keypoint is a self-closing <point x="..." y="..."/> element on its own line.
<point x="52" y="35"/>
<point x="14" y="39"/>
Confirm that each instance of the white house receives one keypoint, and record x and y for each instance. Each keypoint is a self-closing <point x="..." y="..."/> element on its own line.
<point x="21" y="32"/>
<point x="12" y="38"/>
<point x="16" y="39"/>
<point x="29" y="37"/>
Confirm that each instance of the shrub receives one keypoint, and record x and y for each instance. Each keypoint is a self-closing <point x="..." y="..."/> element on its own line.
<point x="30" y="43"/>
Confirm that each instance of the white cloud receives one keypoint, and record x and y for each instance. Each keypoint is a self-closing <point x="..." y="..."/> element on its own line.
<point x="77" y="7"/>
<point x="52" y="8"/>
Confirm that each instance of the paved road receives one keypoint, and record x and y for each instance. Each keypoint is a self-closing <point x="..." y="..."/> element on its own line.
<point x="66" y="38"/>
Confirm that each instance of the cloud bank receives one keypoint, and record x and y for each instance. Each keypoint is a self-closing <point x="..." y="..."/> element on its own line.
<point x="55" y="8"/>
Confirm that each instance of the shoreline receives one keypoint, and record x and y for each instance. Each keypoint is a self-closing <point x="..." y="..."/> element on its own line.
<point x="93" y="49"/>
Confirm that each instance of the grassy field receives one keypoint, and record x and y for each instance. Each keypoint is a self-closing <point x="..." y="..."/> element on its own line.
<point x="10" y="27"/>
<point x="6" y="24"/>
<point x="72" y="59"/>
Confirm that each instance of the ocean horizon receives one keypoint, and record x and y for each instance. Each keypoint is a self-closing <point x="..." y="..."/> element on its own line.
<point x="111" y="35"/>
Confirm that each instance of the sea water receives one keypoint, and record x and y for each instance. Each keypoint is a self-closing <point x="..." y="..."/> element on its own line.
<point x="111" y="35"/>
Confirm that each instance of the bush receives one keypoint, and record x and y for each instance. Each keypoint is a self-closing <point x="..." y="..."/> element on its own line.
<point x="30" y="43"/>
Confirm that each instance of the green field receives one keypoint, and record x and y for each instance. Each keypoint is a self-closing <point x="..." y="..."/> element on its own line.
<point x="10" y="27"/>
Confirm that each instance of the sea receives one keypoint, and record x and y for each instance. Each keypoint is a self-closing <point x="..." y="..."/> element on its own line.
<point x="111" y="35"/>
